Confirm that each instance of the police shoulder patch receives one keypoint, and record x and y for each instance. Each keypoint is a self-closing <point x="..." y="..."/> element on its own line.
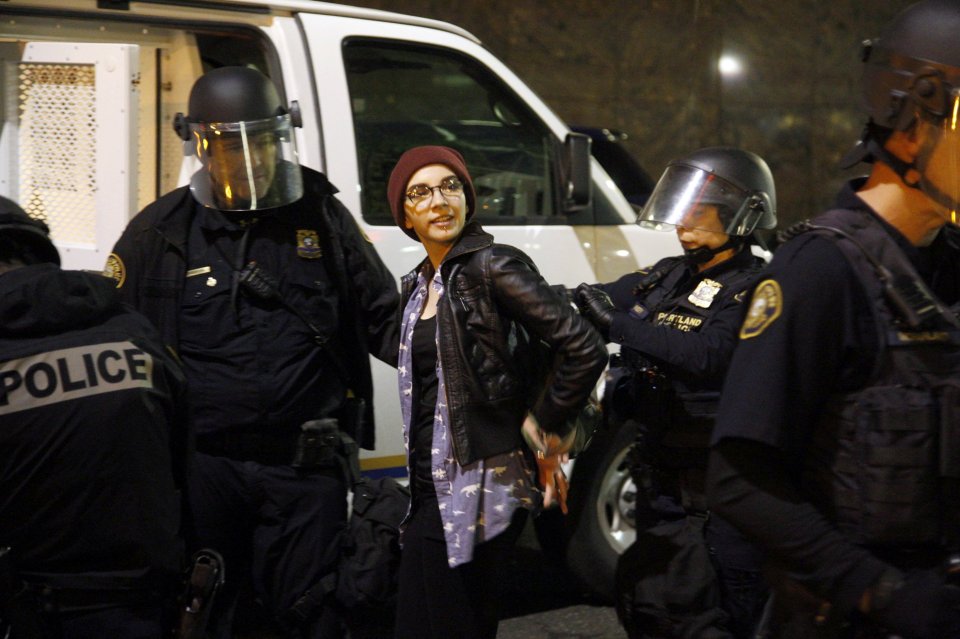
<point x="765" y="307"/>
<point x="115" y="269"/>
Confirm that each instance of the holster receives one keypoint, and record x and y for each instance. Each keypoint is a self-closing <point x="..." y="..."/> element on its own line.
<point x="317" y="444"/>
<point x="322" y="444"/>
<point x="202" y="584"/>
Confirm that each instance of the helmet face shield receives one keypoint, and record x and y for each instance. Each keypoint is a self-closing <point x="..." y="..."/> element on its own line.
<point x="939" y="159"/>
<point x="685" y="195"/>
<point x="247" y="166"/>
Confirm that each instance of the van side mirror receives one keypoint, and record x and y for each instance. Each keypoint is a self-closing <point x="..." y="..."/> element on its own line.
<point x="576" y="171"/>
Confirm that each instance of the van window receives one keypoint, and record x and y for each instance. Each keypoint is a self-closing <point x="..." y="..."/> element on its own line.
<point x="45" y="146"/>
<point x="408" y="95"/>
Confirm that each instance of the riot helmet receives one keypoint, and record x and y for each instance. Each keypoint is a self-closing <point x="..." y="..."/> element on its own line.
<point x="243" y="136"/>
<point x="911" y="78"/>
<point x="737" y="182"/>
<point x="24" y="238"/>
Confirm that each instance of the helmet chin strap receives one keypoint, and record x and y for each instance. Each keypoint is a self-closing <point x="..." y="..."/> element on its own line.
<point x="901" y="168"/>
<point x="703" y="254"/>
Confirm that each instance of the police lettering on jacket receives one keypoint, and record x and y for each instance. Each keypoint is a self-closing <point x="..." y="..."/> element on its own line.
<point x="71" y="373"/>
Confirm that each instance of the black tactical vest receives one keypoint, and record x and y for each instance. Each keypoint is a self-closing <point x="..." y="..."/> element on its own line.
<point x="884" y="460"/>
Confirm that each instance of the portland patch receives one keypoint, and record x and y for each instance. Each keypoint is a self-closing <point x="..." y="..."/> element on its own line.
<point x="115" y="269"/>
<point x="765" y="307"/>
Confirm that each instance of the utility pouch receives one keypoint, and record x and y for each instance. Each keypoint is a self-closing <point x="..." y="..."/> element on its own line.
<point x="317" y="445"/>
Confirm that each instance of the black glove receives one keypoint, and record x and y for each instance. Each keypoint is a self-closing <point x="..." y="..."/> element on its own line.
<point x="922" y="607"/>
<point x="597" y="307"/>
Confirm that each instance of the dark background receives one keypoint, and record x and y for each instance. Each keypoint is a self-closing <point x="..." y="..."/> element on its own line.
<point x="650" y="68"/>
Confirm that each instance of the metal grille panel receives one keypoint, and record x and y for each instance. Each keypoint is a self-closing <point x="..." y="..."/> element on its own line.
<point x="58" y="131"/>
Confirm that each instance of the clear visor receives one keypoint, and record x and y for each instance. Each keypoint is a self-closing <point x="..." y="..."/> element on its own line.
<point x="695" y="199"/>
<point x="247" y="166"/>
<point x="939" y="160"/>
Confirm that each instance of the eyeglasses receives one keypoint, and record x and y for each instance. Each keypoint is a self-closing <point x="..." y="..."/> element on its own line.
<point x="449" y="187"/>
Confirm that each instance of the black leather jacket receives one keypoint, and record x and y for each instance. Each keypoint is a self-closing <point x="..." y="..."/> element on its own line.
<point x="495" y="303"/>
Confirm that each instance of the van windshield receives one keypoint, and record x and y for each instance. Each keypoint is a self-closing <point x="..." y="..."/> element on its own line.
<point x="408" y="95"/>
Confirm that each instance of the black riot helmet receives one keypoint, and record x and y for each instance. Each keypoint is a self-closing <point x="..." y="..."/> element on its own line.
<point x="738" y="182"/>
<point x="913" y="67"/>
<point x="911" y="77"/>
<point x="243" y="136"/>
<point x="24" y="238"/>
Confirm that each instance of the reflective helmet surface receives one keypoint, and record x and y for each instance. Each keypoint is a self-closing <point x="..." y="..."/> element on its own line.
<point x="243" y="136"/>
<point x="233" y="94"/>
<point x="911" y="81"/>
<point x="913" y="65"/>
<point x="738" y="182"/>
<point x="32" y="235"/>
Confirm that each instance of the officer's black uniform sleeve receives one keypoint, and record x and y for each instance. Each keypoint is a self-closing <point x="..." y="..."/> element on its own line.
<point x="813" y="342"/>
<point x="820" y="340"/>
<point x="621" y="290"/>
<point x="375" y="286"/>
<point x="703" y="354"/>
<point x="748" y="487"/>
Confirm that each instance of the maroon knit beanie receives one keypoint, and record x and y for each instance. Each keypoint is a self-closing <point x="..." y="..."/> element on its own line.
<point x="412" y="161"/>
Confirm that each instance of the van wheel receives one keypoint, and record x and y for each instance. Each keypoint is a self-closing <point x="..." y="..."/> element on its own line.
<point x="602" y="515"/>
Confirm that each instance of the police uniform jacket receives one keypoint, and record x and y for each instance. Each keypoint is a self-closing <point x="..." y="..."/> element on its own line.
<point x="93" y="440"/>
<point x="812" y="336"/>
<point x="176" y="253"/>
<point x="682" y="320"/>
<point x="495" y="305"/>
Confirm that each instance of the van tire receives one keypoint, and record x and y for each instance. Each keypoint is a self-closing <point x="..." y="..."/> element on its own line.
<point x="600" y="527"/>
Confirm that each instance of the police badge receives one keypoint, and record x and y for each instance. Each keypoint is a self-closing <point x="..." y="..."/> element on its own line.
<point x="308" y="244"/>
<point x="705" y="292"/>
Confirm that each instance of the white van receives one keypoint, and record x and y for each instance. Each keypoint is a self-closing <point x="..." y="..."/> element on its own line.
<point x="90" y="89"/>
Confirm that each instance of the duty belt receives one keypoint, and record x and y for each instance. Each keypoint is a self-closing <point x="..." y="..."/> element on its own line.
<point x="270" y="448"/>
<point x="318" y="446"/>
<point x="91" y="591"/>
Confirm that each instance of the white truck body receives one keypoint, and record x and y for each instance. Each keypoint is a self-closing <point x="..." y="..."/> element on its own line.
<point x="89" y="91"/>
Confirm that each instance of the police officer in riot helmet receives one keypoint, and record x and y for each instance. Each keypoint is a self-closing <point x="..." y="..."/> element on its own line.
<point x="245" y="272"/>
<point x="835" y="448"/>
<point x="676" y="325"/>
<point x="243" y="136"/>
<point x="23" y="239"/>
<point x="93" y="451"/>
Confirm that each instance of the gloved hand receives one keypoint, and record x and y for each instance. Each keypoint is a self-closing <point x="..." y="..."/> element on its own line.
<point x="597" y="307"/>
<point x="922" y="607"/>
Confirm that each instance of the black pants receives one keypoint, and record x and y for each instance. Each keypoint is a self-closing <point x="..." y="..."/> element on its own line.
<point x="739" y="565"/>
<point x="436" y="601"/>
<point x="272" y="524"/>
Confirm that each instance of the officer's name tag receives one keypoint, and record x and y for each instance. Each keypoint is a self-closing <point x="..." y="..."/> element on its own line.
<point x="200" y="270"/>
<point x="71" y="373"/>
<point x="639" y="311"/>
